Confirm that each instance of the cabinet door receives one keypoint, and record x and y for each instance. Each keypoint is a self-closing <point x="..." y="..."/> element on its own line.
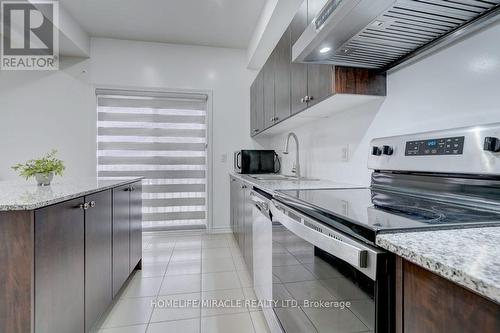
<point x="298" y="71"/>
<point x="248" y="231"/>
<point x="135" y="225"/>
<point x="241" y="216"/>
<point x="121" y="236"/>
<point x="253" y="120"/>
<point x="98" y="251"/>
<point x="319" y="82"/>
<point x="259" y="101"/>
<point x="257" y="104"/>
<point x="234" y="206"/>
<point x="282" y="76"/>
<point x="269" y="99"/>
<point x="60" y="268"/>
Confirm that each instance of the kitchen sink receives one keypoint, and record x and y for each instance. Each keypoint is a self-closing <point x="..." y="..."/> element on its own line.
<point x="280" y="177"/>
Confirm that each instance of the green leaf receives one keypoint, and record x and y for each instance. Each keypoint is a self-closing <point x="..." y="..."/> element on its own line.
<point x="46" y="164"/>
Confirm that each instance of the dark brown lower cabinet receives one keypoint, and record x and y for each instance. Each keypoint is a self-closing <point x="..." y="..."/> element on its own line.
<point x="62" y="264"/>
<point x="428" y="303"/>
<point x="121" y="236"/>
<point x="60" y="268"/>
<point x="135" y="226"/>
<point x="16" y="273"/>
<point x="98" y="251"/>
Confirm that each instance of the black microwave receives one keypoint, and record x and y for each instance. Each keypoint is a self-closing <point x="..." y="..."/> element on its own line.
<point x="256" y="161"/>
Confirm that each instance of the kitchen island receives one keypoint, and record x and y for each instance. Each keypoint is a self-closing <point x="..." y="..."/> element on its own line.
<point x="66" y="250"/>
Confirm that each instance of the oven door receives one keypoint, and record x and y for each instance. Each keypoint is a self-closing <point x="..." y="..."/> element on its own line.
<point x="325" y="281"/>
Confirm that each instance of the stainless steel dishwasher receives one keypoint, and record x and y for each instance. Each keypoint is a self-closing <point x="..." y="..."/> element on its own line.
<point x="262" y="254"/>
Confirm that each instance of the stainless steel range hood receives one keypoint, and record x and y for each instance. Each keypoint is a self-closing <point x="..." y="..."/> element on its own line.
<point x="385" y="34"/>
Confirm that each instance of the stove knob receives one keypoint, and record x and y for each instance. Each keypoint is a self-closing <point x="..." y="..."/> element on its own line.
<point x="376" y="151"/>
<point x="492" y="144"/>
<point x="387" y="150"/>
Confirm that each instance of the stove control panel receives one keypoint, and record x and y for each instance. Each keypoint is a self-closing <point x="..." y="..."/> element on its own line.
<point x="441" y="146"/>
<point x="464" y="150"/>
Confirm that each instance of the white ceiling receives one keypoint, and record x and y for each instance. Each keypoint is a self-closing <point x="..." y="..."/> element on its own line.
<point x="222" y="23"/>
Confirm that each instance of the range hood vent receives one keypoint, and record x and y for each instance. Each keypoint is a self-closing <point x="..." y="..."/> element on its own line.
<point x="383" y="34"/>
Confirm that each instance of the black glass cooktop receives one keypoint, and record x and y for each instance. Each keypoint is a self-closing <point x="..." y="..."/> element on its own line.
<point x="366" y="212"/>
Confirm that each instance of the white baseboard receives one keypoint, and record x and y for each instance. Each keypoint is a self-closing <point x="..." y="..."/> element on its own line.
<point x="220" y="231"/>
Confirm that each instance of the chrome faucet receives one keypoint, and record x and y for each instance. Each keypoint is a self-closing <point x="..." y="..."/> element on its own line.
<point x="296" y="167"/>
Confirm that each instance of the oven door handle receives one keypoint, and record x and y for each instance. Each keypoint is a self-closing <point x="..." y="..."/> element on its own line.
<point x="312" y="233"/>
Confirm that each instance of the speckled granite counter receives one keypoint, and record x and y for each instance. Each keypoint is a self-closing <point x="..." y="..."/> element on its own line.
<point x="274" y="185"/>
<point x="21" y="195"/>
<point x="468" y="257"/>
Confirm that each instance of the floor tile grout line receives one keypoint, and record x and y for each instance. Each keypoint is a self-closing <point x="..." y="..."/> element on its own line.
<point x="159" y="289"/>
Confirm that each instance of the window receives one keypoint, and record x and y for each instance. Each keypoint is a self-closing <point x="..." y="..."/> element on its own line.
<point x="162" y="137"/>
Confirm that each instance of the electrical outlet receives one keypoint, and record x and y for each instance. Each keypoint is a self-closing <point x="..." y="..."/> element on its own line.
<point x="223" y="158"/>
<point x="345" y="153"/>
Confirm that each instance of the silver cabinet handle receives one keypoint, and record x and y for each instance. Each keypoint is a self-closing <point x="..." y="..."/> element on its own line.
<point x="92" y="204"/>
<point x="84" y="206"/>
<point x="243" y="186"/>
<point x="309" y="98"/>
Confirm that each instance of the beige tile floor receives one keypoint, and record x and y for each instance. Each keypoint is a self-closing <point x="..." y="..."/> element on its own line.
<point x="185" y="267"/>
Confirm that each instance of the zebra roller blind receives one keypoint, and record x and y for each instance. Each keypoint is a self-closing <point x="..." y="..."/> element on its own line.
<point x="162" y="137"/>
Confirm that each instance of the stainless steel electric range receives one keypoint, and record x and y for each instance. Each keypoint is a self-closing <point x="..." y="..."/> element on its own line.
<point x="323" y="241"/>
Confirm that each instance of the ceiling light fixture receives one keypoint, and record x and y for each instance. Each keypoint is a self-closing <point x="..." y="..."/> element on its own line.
<point x="324" y="50"/>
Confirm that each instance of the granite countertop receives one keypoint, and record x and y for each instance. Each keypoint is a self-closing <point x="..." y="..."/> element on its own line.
<point x="468" y="257"/>
<point x="271" y="186"/>
<point x="22" y="195"/>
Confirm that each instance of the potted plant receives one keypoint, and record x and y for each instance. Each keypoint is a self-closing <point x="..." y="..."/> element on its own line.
<point x="43" y="169"/>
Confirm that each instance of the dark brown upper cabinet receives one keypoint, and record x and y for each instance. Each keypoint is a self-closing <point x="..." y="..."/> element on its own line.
<point x="269" y="103"/>
<point x="282" y="65"/>
<point x="284" y="88"/>
<point x="298" y="71"/>
<point x="257" y="105"/>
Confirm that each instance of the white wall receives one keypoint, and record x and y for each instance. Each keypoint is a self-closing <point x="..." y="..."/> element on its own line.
<point x="40" y="111"/>
<point x="458" y="86"/>
<point x="44" y="110"/>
